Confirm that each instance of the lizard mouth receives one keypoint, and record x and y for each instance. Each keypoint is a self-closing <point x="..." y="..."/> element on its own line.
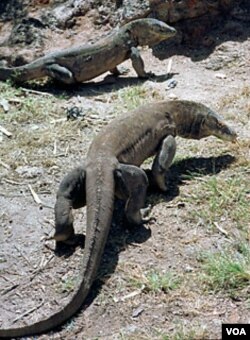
<point x="228" y="135"/>
<point x="171" y="32"/>
<point x="224" y="132"/>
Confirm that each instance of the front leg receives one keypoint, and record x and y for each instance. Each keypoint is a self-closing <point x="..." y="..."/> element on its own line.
<point x="131" y="186"/>
<point x="71" y="195"/>
<point x="138" y="63"/>
<point x="163" y="161"/>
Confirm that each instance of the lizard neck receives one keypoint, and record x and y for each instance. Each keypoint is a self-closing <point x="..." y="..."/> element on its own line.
<point x="188" y="118"/>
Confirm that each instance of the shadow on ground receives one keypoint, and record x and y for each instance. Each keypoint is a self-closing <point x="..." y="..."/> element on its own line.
<point x="120" y="236"/>
<point x="109" y="84"/>
<point x="186" y="170"/>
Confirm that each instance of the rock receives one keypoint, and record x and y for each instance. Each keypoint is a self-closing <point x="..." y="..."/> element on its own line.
<point x="135" y="9"/>
<point x="35" y="27"/>
<point x="26" y="32"/>
<point x="192" y="18"/>
<point x="5" y="104"/>
<point x="172" y="96"/>
<point x="170" y="84"/>
<point x="63" y="15"/>
<point x="172" y="11"/>
<point x="222" y="60"/>
<point x="23" y="57"/>
<point x="220" y="76"/>
<point x="10" y="9"/>
<point x="189" y="269"/>
<point x="75" y="112"/>
<point x="138" y="311"/>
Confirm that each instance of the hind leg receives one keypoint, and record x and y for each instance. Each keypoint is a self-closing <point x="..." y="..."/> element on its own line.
<point x="61" y="74"/>
<point x="163" y="161"/>
<point x="71" y="195"/>
<point x="131" y="186"/>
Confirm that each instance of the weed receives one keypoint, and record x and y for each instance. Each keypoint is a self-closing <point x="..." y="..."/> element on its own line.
<point x="183" y="332"/>
<point x="131" y="97"/>
<point x="180" y="335"/>
<point x="227" y="270"/>
<point x="237" y="102"/>
<point x="66" y="286"/>
<point x="244" y="93"/>
<point x="155" y="281"/>
<point x="225" y="200"/>
<point x="8" y="91"/>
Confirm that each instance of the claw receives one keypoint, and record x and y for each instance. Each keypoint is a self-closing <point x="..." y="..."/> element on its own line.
<point x="144" y="215"/>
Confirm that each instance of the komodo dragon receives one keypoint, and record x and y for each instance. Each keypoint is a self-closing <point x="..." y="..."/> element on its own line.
<point x="85" y="62"/>
<point x="112" y="169"/>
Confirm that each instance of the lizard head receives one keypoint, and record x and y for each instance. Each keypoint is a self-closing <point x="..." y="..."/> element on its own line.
<point x="196" y="121"/>
<point x="214" y="125"/>
<point x="149" y="32"/>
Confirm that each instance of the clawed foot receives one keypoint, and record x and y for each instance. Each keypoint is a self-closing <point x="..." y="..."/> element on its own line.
<point x="145" y="218"/>
<point x="140" y="218"/>
<point x="68" y="246"/>
<point x="73" y="241"/>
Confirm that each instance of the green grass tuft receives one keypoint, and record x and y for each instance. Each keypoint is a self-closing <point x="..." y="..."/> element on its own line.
<point x="67" y="285"/>
<point x="156" y="282"/>
<point x="129" y="98"/>
<point x="222" y="199"/>
<point x="227" y="270"/>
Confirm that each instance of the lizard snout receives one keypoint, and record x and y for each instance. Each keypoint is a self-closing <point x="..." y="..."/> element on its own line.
<point x="168" y="31"/>
<point x="227" y="133"/>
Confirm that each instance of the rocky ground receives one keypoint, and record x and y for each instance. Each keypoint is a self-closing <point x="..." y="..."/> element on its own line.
<point x="179" y="277"/>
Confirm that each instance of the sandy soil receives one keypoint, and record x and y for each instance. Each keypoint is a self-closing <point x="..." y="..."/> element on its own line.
<point x="36" y="282"/>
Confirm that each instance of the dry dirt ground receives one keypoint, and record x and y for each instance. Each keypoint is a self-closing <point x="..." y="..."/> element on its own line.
<point x="181" y="276"/>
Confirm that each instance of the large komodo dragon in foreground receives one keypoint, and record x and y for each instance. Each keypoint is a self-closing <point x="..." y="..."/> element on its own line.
<point x="85" y="62"/>
<point x="112" y="169"/>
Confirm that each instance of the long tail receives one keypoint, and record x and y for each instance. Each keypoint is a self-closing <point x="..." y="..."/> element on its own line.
<point x="100" y="199"/>
<point x="6" y="73"/>
<point x="20" y="74"/>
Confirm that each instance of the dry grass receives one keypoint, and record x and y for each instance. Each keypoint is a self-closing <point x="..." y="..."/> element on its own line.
<point x="238" y="102"/>
<point x="221" y="199"/>
<point x="43" y="137"/>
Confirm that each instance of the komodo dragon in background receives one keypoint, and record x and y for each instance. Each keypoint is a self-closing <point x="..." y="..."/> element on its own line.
<point x="85" y="62"/>
<point x="112" y="169"/>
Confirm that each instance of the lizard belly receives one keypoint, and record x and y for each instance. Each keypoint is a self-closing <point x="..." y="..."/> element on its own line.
<point x="137" y="153"/>
<point x="91" y="66"/>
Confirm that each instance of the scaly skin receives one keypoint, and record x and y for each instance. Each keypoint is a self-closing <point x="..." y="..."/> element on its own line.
<point x="85" y="62"/>
<point x="112" y="169"/>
